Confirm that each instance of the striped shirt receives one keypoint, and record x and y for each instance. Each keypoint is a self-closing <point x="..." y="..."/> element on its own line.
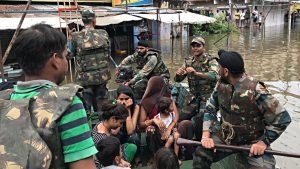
<point x="73" y="126"/>
<point x="97" y="137"/>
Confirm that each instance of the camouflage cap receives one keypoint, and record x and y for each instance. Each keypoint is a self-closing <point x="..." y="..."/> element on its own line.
<point x="88" y="14"/>
<point x="198" y="40"/>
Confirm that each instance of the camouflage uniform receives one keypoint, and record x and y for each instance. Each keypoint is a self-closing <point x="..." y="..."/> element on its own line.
<point x="199" y="87"/>
<point x="149" y="65"/>
<point x="92" y="68"/>
<point x="29" y="128"/>
<point x="249" y="114"/>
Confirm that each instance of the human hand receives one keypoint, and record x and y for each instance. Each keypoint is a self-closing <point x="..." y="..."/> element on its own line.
<point x="124" y="163"/>
<point x="128" y="102"/>
<point x="166" y="135"/>
<point x="159" y="124"/>
<point x="257" y="149"/>
<point x="70" y="31"/>
<point x="181" y="71"/>
<point x="207" y="142"/>
<point x="190" y="70"/>
<point x="117" y="72"/>
<point x="128" y="83"/>
<point x="115" y="131"/>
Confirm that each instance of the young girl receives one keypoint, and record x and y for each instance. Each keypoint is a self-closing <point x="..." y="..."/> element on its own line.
<point x="166" y="114"/>
<point x="127" y="133"/>
<point x="114" y="114"/>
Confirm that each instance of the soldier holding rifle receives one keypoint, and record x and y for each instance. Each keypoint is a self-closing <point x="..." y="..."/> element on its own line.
<point x="250" y="116"/>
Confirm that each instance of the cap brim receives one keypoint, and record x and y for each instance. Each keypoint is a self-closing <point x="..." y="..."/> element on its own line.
<point x="195" y="42"/>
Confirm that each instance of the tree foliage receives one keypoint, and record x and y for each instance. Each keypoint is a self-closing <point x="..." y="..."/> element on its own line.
<point x="220" y="26"/>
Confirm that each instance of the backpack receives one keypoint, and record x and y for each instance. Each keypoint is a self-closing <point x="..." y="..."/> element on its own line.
<point x="28" y="128"/>
<point x="92" y="57"/>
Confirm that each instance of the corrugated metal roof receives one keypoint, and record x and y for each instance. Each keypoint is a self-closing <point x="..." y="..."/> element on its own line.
<point x="277" y="0"/>
<point x="11" y="20"/>
<point x="12" y="23"/>
<point x="185" y="17"/>
<point x="111" y="20"/>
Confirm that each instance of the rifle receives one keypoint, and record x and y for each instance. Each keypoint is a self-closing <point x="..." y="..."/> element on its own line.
<point x="186" y="142"/>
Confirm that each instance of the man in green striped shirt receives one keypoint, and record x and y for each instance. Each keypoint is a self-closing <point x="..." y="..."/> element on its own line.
<point x="41" y="52"/>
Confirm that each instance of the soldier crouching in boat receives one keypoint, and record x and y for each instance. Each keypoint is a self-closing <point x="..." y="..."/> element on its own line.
<point x="149" y="63"/>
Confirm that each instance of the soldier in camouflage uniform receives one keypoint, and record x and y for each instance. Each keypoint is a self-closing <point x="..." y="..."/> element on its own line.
<point x="250" y="116"/>
<point x="149" y="63"/>
<point x="201" y="71"/>
<point x="43" y="125"/>
<point x="91" y="50"/>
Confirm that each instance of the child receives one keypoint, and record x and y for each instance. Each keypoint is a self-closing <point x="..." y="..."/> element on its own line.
<point x="165" y="159"/>
<point x="109" y="154"/>
<point x="167" y="116"/>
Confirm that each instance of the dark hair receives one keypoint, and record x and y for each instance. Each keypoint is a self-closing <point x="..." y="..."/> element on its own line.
<point x="231" y="60"/>
<point x="163" y="105"/>
<point x="36" y="45"/>
<point x="221" y="51"/>
<point x="87" y="21"/>
<point x="116" y="110"/>
<point x="143" y="43"/>
<point x="164" y="158"/>
<point x="108" y="149"/>
<point x="123" y="89"/>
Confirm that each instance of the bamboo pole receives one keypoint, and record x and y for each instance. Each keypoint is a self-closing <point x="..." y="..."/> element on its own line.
<point x="2" y="65"/>
<point x="231" y="11"/>
<point x="263" y="14"/>
<point x="290" y="16"/>
<point x="157" y="28"/>
<point x="15" y="34"/>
